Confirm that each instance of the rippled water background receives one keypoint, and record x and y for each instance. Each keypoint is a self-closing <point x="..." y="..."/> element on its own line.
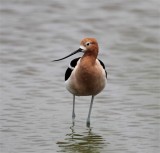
<point x="35" y="108"/>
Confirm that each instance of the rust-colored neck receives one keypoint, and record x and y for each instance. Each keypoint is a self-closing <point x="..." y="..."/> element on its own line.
<point x="91" y="55"/>
<point x="89" y="58"/>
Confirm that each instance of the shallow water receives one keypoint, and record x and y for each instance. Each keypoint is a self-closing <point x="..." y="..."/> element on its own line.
<point x="35" y="108"/>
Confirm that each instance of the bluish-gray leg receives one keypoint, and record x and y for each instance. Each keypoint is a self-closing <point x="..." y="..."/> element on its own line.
<point x="73" y="111"/>
<point x="89" y="114"/>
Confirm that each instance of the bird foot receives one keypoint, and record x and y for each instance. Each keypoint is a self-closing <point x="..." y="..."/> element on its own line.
<point x="73" y="120"/>
<point x="88" y="124"/>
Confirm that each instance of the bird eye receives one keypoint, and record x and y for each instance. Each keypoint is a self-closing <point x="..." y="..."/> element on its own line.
<point x="87" y="44"/>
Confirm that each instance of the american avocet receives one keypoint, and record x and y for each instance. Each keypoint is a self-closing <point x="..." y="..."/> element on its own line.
<point x="86" y="75"/>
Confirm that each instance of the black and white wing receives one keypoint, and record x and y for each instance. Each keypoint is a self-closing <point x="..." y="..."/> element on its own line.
<point x="103" y="67"/>
<point x="71" y="67"/>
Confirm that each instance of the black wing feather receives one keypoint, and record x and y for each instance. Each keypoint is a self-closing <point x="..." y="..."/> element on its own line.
<point x="69" y="70"/>
<point x="103" y="66"/>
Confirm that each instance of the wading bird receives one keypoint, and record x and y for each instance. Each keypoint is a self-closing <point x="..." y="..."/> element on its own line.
<point x="86" y="75"/>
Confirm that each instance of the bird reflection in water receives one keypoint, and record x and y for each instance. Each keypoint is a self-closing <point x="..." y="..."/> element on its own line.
<point x="85" y="142"/>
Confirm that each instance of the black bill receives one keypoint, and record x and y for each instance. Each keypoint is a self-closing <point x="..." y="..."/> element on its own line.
<point x="77" y="51"/>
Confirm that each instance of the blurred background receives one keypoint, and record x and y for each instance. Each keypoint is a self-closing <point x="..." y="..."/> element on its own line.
<point x="35" y="107"/>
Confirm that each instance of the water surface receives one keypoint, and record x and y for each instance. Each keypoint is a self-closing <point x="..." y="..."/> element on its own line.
<point x="35" y="108"/>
